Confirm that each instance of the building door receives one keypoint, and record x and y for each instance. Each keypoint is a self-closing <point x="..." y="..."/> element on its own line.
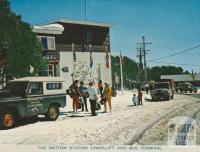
<point x="35" y="99"/>
<point x="51" y="70"/>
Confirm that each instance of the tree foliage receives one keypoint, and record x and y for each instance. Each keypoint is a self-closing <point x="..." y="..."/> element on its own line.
<point x="129" y="66"/>
<point x="131" y="72"/>
<point x="18" y="44"/>
<point x="155" y="72"/>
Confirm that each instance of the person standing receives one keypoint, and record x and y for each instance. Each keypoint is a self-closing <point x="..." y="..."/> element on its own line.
<point x="75" y="95"/>
<point x="140" y="97"/>
<point x="83" y="91"/>
<point x="107" y="94"/>
<point x="92" y="97"/>
<point x="100" y="87"/>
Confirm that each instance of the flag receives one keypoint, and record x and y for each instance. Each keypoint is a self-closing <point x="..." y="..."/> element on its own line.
<point x="121" y="58"/>
<point x="74" y="53"/>
<point x="107" y="57"/>
<point x="91" y="59"/>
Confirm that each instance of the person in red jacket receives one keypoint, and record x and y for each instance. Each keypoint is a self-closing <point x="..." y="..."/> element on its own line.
<point x="75" y="96"/>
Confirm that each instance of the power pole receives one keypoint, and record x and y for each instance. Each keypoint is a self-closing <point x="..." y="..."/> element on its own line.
<point x="143" y="53"/>
<point x="139" y="55"/>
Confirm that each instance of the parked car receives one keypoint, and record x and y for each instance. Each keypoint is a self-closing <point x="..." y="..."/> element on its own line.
<point x="30" y="97"/>
<point x="143" y="86"/>
<point x="162" y="90"/>
<point x="185" y="87"/>
<point x="171" y="83"/>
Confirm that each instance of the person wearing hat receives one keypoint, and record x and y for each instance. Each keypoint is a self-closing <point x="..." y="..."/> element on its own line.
<point x="107" y="93"/>
<point x="92" y="97"/>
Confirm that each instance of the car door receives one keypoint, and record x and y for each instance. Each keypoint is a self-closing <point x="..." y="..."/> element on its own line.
<point x="35" y="98"/>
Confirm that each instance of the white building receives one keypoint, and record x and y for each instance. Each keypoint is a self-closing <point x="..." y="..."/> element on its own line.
<point x="61" y="36"/>
<point x="182" y="77"/>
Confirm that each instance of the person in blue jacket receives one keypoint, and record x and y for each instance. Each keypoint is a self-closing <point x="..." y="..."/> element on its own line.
<point x="83" y="91"/>
<point x="134" y="100"/>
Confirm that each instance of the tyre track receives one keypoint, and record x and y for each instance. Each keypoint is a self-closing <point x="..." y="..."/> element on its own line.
<point x="141" y="133"/>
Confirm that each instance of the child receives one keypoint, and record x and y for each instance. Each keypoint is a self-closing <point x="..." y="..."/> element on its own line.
<point x="134" y="100"/>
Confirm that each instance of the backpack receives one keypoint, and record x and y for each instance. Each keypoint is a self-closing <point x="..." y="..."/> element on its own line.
<point x="98" y="106"/>
<point x="71" y="91"/>
<point x="114" y="92"/>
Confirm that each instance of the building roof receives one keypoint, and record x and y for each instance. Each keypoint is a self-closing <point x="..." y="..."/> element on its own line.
<point x="81" y="22"/>
<point x="39" y="79"/>
<point x="182" y="77"/>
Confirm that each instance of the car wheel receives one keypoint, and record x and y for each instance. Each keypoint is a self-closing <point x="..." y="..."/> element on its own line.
<point x="52" y="113"/>
<point x="8" y="119"/>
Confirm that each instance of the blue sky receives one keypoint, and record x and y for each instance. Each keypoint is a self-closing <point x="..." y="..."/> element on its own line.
<point x="171" y="25"/>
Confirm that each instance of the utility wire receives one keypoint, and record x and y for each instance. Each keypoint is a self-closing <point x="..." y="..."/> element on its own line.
<point x="197" y="65"/>
<point x="177" y="53"/>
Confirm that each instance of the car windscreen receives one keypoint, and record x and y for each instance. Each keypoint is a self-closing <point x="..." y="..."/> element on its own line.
<point x="161" y="86"/>
<point x="17" y="88"/>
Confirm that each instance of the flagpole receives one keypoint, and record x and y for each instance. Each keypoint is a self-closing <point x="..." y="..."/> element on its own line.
<point x="91" y="60"/>
<point x="122" y="85"/>
<point x="74" y="60"/>
<point x="107" y="66"/>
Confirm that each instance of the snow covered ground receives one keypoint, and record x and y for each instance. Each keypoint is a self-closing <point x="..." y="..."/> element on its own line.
<point x="159" y="133"/>
<point x="117" y="127"/>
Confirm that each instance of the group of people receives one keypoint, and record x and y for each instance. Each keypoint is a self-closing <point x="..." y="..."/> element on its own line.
<point x="137" y="100"/>
<point x="81" y="92"/>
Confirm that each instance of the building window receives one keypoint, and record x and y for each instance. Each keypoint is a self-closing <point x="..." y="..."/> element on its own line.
<point x="89" y="36"/>
<point x="53" y="70"/>
<point x="48" y="43"/>
<point x="54" y="86"/>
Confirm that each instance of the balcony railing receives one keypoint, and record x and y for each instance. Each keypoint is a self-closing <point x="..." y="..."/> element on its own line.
<point x="79" y="48"/>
